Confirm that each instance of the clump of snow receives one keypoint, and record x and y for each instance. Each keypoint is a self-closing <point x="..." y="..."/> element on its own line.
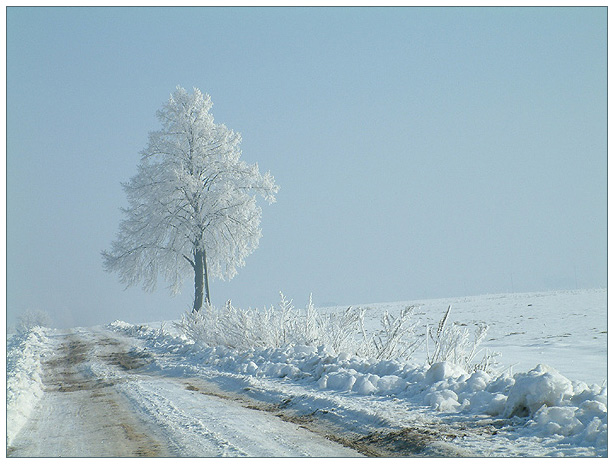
<point x="24" y="386"/>
<point x="542" y="386"/>
<point x="443" y="400"/>
<point x="442" y="371"/>
<point x="574" y="420"/>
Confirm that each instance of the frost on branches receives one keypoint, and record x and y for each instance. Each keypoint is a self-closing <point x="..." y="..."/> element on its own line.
<point x="192" y="203"/>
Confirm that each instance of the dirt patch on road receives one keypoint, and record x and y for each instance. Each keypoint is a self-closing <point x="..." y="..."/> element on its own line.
<point x="401" y="443"/>
<point x="130" y="360"/>
<point x="61" y="373"/>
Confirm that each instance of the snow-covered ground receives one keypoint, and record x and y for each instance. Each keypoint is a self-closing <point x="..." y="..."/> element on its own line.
<point x="547" y="397"/>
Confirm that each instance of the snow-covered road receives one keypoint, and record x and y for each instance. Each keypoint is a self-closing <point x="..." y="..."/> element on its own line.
<point x="98" y="403"/>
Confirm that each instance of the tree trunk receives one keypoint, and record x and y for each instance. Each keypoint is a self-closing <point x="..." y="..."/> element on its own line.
<point x="201" y="284"/>
<point x="206" y="279"/>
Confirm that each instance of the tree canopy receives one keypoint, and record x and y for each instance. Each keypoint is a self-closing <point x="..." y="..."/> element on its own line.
<point x="192" y="204"/>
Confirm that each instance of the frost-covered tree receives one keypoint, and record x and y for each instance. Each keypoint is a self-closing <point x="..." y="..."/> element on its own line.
<point x="192" y="203"/>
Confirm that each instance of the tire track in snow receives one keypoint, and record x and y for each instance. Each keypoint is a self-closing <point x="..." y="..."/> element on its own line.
<point x="187" y="434"/>
<point x="201" y="424"/>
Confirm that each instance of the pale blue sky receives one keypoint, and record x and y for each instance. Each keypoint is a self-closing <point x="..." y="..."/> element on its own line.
<point x="421" y="152"/>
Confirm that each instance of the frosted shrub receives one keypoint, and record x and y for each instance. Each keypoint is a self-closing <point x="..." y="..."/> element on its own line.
<point x="451" y="343"/>
<point x="234" y="328"/>
<point x="339" y="332"/>
<point x="395" y="340"/>
<point x="284" y="325"/>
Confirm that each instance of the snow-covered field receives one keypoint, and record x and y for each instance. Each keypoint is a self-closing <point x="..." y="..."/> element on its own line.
<point x="565" y="329"/>
<point x="546" y="396"/>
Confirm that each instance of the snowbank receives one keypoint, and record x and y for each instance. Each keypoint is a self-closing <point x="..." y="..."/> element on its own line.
<point x="544" y="401"/>
<point x="24" y="386"/>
